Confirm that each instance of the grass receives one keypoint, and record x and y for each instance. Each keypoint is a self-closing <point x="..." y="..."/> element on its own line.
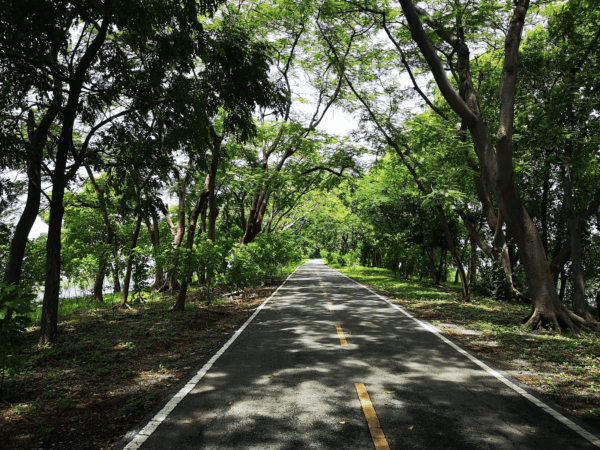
<point x="563" y="367"/>
<point x="110" y="367"/>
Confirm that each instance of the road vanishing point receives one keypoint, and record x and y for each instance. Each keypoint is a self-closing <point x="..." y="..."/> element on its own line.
<point x="326" y="363"/>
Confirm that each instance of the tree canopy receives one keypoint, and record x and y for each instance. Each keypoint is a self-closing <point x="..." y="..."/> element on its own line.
<point x="180" y="142"/>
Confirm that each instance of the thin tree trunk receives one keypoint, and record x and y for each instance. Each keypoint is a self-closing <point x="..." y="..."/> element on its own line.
<point x="14" y="264"/>
<point x="438" y="278"/>
<point x="103" y="263"/>
<point x="127" y="281"/>
<point x="473" y="264"/>
<point x="116" y="282"/>
<point x="209" y="186"/>
<point x="563" y="285"/>
<point x="544" y="212"/>
<point x="177" y="231"/>
<point x="579" y="303"/>
<point x="155" y="238"/>
<point x="431" y="265"/>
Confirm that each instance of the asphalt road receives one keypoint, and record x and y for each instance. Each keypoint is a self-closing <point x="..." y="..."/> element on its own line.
<point x="288" y="382"/>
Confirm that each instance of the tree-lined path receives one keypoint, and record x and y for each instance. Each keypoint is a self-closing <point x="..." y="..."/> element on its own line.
<point x="293" y="377"/>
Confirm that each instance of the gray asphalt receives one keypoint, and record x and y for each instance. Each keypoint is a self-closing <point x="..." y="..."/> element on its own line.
<point x="287" y="383"/>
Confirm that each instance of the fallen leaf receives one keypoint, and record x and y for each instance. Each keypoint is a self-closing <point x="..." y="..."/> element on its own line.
<point x="389" y="392"/>
<point x="411" y="427"/>
<point x="343" y="422"/>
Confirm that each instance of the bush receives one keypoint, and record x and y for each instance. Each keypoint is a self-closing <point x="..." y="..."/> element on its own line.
<point x="493" y="282"/>
<point x="261" y="259"/>
<point x="16" y="304"/>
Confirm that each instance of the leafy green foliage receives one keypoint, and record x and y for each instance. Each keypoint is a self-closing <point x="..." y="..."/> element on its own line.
<point x="16" y="306"/>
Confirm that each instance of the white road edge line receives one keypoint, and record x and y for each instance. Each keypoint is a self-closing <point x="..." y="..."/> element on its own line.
<point x="558" y="416"/>
<point x="153" y="424"/>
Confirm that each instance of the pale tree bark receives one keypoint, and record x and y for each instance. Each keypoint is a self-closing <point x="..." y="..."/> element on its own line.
<point x="496" y="160"/>
<point x="177" y="231"/>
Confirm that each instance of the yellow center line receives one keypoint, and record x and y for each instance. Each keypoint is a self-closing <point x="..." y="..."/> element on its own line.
<point x="377" y="435"/>
<point x="340" y="333"/>
<point x="330" y="306"/>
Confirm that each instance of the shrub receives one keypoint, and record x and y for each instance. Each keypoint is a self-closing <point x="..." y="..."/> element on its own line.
<point x="16" y="304"/>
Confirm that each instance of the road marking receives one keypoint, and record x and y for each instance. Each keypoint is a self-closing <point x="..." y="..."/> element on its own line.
<point x="377" y="435"/>
<point x="558" y="416"/>
<point x="341" y="336"/>
<point x="139" y="438"/>
<point x="330" y="306"/>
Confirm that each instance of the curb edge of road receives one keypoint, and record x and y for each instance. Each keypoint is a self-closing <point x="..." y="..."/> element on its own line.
<point x="207" y="363"/>
<point x="589" y="433"/>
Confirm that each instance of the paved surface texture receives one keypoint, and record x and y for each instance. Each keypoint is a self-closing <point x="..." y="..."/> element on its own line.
<point x="287" y="383"/>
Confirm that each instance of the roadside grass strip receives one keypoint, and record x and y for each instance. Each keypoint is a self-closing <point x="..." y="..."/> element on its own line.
<point x="439" y="333"/>
<point x="340" y="333"/>
<point x="379" y="440"/>
<point x="154" y="423"/>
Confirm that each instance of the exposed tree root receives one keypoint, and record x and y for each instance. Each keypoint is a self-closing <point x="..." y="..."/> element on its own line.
<point x="518" y="296"/>
<point x="122" y="306"/>
<point x="562" y="319"/>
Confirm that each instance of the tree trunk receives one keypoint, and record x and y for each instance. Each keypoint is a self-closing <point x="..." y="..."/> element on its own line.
<point x="496" y="160"/>
<point x="579" y="304"/>
<point x="563" y="285"/>
<point x="460" y="268"/>
<point x="544" y="212"/>
<point x="438" y="278"/>
<point x="255" y="217"/>
<point x="116" y="282"/>
<point x="207" y="194"/>
<point x="473" y="264"/>
<point x="431" y="265"/>
<point x="49" y="321"/>
<point x="37" y="138"/>
<point x="127" y="281"/>
<point x="177" y="231"/>
<point x="155" y="238"/>
<point x="14" y="264"/>
<point x="103" y="263"/>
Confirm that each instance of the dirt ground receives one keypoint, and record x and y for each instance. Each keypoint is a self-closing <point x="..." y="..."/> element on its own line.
<point x="109" y="368"/>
